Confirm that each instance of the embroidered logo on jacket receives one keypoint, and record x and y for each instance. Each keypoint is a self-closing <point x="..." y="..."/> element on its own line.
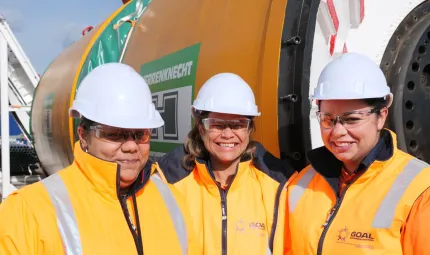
<point x="343" y="234"/>
<point x="361" y="236"/>
<point x="355" y="238"/>
<point x="243" y="226"/>
<point x="257" y="225"/>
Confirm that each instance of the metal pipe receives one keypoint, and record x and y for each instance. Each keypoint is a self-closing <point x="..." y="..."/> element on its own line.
<point x="4" y="100"/>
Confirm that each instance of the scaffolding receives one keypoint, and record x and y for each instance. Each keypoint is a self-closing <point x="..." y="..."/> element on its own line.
<point x="18" y="80"/>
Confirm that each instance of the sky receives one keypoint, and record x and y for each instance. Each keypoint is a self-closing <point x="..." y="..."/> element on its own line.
<point x="44" y="28"/>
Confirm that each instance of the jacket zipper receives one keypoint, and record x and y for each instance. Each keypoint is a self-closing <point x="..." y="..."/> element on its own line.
<point x="224" y="220"/>
<point x="131" y="226"/>
<point x="330" y="219"/>
<point x="275" y="215"/>
<point x="223" y="194"/>
<point x="134" y="229"/>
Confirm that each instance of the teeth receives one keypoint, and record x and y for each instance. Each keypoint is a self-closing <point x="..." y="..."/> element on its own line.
<point x="342" y="144"/>
<point x="228" y="145"/>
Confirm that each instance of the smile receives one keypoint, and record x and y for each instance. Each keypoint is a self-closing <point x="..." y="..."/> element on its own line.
<point x="227" y="145"/>
<point x="342" y="144"/>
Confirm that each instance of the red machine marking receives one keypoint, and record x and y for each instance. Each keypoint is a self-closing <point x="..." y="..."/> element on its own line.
<point x="335" y="19"/>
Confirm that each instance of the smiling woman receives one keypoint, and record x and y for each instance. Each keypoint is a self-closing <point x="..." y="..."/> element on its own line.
<point x="224" y="168"/>
<point x="127" y="147"/>
<point x="362" y="191"/>
<point x="359" y="130"/>
<point x="107" y="201"/>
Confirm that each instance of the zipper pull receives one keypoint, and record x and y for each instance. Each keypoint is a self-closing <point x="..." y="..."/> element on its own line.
<point x="332" y="210"/>
<point x="224" y="215"/>
<point x="223" y="211"/>
<point x="329" y="217"/>
<point x="131" y="222"/>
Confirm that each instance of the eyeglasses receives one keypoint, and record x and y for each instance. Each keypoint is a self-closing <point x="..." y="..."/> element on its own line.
<point x="120" y="135"/>
<point x="348" y="120"/>
<point x="218" y="125"/>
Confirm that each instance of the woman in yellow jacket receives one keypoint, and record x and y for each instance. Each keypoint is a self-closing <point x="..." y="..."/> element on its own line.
<point x="106" y="202"/>
<point x="232" y="186"/>
<point x="360" y="194"/>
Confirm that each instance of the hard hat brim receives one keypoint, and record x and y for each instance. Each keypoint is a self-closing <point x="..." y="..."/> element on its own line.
<point x="138" y="123"/>
<point x="389" y="98"/>
<point x="194" y="111"/>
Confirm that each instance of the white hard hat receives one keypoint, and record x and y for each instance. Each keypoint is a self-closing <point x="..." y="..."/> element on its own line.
<point x="352" y="76"/>
<point x="114" y="94"/>
<point x="226" y="93"/>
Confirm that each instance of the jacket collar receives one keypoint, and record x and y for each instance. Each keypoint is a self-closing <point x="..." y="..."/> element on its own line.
<point x="278" y="170"/>
<point x="207" y="177"/>
<point x="104" y="175"/>
<point x="326" y="164"/>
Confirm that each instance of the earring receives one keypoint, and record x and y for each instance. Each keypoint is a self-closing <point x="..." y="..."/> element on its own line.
<point x="82" y="146"/>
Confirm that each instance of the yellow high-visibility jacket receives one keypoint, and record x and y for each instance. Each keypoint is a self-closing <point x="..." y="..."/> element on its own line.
<point x="371" y="215"/>
<point x="79" y="211"/>
<point x="242" y="218"/>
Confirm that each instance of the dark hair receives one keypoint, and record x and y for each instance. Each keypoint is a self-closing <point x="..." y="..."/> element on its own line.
<point x="377" y="103"/>
<point x="195" y="148"/>
<point x="86" y="123"/>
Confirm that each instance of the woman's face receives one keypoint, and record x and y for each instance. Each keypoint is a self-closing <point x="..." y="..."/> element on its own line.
<point x="351" y="143"/>
<point x="108" y="143"/>
<point x="225" y="136"/>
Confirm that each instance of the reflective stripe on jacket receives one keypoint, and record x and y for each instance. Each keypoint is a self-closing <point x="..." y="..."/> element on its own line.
<point x="370" y="215"/>
<point x="240" y="219"/>
<point x="79" y="211"/>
